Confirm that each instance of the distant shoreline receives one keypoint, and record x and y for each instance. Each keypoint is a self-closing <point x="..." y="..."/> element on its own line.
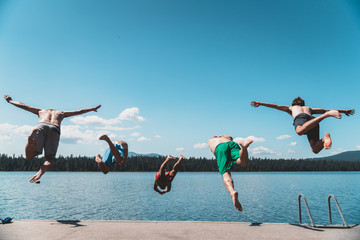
<point x="152" y="164"/>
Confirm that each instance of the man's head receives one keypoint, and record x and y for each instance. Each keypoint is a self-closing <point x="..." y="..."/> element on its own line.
<point x="298" y="101"/>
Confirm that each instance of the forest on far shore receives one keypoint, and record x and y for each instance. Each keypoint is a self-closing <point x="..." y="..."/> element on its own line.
<point x="152" y="164"/>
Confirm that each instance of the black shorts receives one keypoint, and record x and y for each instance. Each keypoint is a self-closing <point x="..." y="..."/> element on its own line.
<point x="300" y="119"/>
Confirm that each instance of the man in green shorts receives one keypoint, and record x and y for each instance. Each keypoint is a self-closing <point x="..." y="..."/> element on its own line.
<point x="227" y="152"/>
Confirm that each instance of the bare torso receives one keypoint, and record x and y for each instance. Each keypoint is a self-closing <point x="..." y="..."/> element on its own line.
<point x="296" y="110"/>
<point x="216" y="140"/>
<point x="51" y="116"/>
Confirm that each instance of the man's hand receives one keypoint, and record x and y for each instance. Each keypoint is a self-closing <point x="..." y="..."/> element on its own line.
<point x="7" y="98"/>
<point x="349" y="112"/>
<point x="255" y="104"/>
<point x="96" y="108"/>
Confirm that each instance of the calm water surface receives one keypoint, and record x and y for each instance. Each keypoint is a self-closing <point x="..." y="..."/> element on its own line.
<point x="266" y="197"/>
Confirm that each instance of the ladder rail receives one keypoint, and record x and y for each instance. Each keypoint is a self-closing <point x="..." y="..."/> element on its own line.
<point x="339" y="209"/>
<point x="307" y="208"/>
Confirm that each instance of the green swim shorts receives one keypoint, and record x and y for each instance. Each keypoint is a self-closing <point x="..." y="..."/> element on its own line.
<point x="226" y="155"/>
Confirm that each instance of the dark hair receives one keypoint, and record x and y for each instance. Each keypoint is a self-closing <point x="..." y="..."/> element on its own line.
<point x="298" y="101"/>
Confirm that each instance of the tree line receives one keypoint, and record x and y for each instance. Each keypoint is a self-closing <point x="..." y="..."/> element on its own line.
<point x="152" y="164"/>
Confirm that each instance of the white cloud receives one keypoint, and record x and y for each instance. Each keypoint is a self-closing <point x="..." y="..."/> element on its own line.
<point x="135" y="134"/>
<point x="6" y="127"/>
<point x="290" y="151"/>
<point x="200" y="145"/>
<point x="141" y="139"/>
<point x="7" y="131"/>
<point x="5" y="138"/>
<point x="180" y="149"/>
<point x="262" y="150"/>
<point x="112" y="136"/>
<point x="72" y="134"/>
<point x="112" y="128"/>
<point x="255" y="139"/>
<point x="92" y="120"/>
<point x="282" y="137"/>
<point x="131" y="114"/>
<point x="24" y="130"/>
<point x="292" y="144"/>
<point x="358" y="146"/>
<point x="157" y="136"/>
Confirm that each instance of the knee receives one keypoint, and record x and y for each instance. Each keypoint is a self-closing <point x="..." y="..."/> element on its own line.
<point x="30" y="157"/>
<point x="105" y="169"/>
<point x="299" y="131"/>
<point x="314" y="150"/>
<point x="228" y="180"/>
<point x="243" y="164"/>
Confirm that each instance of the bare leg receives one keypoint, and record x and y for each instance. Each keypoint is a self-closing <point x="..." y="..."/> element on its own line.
<point x="164" y="164"/>
<point x="119" y="160"/>
<point x="243" y="154"/>
<point x="316" y="146"/>
<point x="103" y="167"/>
<point x="46" y="166"/>
<point x="30" y="148"/>
<point x="177" y="165"/>
<point x="229" y="184"/>
<point x="325" y="142"/>
<point x="313" y="122"/>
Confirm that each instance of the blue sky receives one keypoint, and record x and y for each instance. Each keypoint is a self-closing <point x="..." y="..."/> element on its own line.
<point x="171" y="74"/>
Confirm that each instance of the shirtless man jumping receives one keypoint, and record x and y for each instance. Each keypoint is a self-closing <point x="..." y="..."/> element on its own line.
<point x="46" y="134"/>
<point x="227" y="152"/>
<point x="307" y="124"/>
<point x="164" y="179"/>
<point x="116" y="153"/>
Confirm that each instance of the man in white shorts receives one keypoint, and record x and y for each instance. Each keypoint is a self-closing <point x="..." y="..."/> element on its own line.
<point x="46" y="134"/>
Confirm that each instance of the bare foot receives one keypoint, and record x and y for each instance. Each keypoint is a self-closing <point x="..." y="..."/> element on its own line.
<point x="236" y="202"/>
<point x="245" y="144"/>
<point x="169" y="158"/>
<point x="327" y="141"/>
<point x="181" y="157"/>
<point x="35" y="178"/>
<point x="104" y="137"/>
<point x="98" y="158"/>
<point x="334" y="113"/>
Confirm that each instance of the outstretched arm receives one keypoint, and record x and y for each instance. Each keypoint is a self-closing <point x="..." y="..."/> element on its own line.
<point x="271" y="105"/>
<point x="323" y="110"/>
<point x="82" y="111"/>
<point x="157" y="190"/>
<point x="22" y="105"/>
<point x="168" y="188"/>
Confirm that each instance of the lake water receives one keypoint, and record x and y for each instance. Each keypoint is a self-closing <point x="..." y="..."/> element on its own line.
<point x="266" y="197"/>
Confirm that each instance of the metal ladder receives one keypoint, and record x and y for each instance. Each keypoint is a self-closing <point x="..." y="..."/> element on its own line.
<point x="345" y="225"/>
